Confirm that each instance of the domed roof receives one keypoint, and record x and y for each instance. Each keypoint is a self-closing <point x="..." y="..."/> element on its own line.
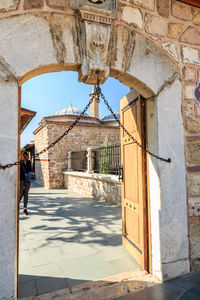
<point x="70" y="110"/>
<point x="110" y="117"/>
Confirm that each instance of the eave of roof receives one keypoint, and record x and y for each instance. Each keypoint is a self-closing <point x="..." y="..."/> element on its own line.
<point x="71" y="122"/>
<point x="26" y="116"/>
<point x="27" y="111"/>
<point x="191" y="2"/>
<point x="72" y="116"/>
<point x="112" y="120"/>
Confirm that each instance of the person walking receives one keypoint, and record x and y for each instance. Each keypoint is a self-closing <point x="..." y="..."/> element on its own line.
<point x="25" y="167"/>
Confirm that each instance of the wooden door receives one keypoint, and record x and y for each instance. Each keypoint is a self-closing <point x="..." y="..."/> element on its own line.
<point x="133" y="186"/>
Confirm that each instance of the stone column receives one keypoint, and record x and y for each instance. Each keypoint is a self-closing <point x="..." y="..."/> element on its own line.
<point x="8" y="185"/>
<point x="89" y="160"/>
<point x="69" y="161"/>
<point x="169" y="230"/>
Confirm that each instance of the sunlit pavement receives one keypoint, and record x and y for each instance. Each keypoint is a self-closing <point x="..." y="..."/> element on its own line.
<point x="68" y="239"/>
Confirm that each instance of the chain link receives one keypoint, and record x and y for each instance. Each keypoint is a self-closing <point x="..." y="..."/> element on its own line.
<point x="70" y="127"/>
<point x="96" y="97"/>
<point x="131" y="136"/>
<point x="3" y="167"/>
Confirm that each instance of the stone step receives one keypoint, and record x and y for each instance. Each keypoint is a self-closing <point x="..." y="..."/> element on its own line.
<point x="106" y="288"/>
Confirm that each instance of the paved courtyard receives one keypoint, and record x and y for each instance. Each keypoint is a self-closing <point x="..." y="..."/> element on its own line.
<point x="68" y="239"/>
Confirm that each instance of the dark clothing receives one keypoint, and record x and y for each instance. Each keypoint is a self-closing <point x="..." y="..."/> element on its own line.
<point x="24" y="189"/>
<point x="24" y="166"/>
<point x="24" y="185"/>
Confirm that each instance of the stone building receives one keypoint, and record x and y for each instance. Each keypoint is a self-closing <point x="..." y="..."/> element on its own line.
<point x="89" y="132"/>
<point x="151" y="46"/>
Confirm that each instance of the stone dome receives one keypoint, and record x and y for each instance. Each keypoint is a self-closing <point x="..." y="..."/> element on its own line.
<point x="70" y="110"/>
<point x="110" y="117"/>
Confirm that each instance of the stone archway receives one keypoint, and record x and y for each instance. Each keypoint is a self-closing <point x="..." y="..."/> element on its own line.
<point x="38" y="43"/>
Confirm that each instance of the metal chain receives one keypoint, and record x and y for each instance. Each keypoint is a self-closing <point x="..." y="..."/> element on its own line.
<point x="3" y="167"/>
<point x="68" y="130"/>
<point x="131" y="136"/>
<point x="96" y="96"/>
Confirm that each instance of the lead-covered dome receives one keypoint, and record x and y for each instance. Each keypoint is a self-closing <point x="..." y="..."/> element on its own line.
<point x="70" y="110"/>
<point x="110" y="117"/>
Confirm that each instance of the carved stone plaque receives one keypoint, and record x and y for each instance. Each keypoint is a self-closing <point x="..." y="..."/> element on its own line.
<point x="110" y="5"/>
<point x="95" y="28"/>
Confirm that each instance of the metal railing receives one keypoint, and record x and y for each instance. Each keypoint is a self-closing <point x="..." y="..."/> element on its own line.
<point x="107" y="160"/>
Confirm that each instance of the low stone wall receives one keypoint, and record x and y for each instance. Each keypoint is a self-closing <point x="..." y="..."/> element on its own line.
<point x="104" y="187"/>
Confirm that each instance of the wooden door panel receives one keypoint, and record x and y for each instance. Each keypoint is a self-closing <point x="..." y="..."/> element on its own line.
<point x="131" y="183"/>
<point x="130" y="119"/>
<point x="133" y="186"/>
<point x="133" y="232"/>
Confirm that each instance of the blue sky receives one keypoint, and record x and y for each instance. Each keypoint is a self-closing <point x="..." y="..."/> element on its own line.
<point x="50" y="92"/>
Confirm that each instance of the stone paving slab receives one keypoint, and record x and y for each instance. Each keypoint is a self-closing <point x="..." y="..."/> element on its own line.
<point x="69" y="242"/>
<point x="27" y="288"/>
<point x="68" y="239"/>
<point x="45" y="285"/>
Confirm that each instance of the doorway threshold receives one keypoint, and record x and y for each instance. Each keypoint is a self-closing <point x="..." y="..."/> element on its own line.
<point x="106" y="288"/>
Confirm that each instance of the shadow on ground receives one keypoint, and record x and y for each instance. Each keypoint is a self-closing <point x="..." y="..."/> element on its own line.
<point x="36" y="285"/>
<point x="66" y="237"/>
<point x="89" y="220"/>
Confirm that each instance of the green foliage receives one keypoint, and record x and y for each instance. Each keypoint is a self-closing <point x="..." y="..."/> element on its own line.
<point x="105" y="162"/>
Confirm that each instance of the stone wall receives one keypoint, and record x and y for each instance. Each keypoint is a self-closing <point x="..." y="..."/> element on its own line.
<point x="174" y="27"/>
<point x="79" y="161"/>
<point x="104" y="187"/>
<point x="80" y="138"/>
<point x="42" y="163"/>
